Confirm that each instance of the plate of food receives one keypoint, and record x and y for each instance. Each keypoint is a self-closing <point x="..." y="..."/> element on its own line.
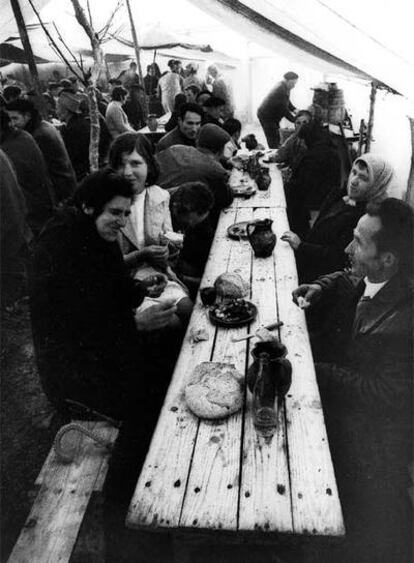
<point x="238" y="231"/>
<point x="243" y="190"/>
<point x="233" y="313"/>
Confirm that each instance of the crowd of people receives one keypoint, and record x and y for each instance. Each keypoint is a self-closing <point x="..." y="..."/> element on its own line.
<point x="113" y="259"/>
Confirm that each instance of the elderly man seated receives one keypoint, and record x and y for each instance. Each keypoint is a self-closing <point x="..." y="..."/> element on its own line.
<point x="185" y="133"/>
<point x="181" y="164"/>
<point x="366" y="380"/>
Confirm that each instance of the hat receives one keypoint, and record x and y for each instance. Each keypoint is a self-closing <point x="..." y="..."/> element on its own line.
<point x="52" y="85"/>
<point x="69" y="101"/>
<point x="290" y="76"/>
<point x="212" y="137"/>
<point x="214" y="102"/>
<point x="65" y="83"/>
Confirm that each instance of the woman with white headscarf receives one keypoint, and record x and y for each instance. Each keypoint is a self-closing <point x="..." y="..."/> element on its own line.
<point x="322" y="251"/>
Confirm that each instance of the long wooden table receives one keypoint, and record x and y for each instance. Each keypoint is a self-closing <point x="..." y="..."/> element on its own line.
<point x="223" y="476"/>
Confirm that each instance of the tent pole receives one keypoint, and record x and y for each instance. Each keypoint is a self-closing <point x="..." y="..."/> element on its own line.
<point x="409" y="197"/>
<point x="372" y="99"/>
<point x="27" y="47"/>
<point x="137" y="55"/>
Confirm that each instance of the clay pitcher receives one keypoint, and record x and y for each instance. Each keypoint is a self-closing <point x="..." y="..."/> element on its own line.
<point x="261" y="237"/>
<point x="263" y="179"/>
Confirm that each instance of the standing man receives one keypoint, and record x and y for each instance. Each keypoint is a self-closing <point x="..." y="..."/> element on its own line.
<point x="366" y="381"/>
<point x="222" y="89"/>
<point x="275" y="106"/>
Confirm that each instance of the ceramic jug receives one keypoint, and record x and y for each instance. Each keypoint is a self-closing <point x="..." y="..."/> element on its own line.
<point x="261" y="237"/>
<point x="263" y="179"/>
<point x="269" y="376"/>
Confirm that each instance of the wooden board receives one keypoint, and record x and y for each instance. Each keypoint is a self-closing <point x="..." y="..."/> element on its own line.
<point x="273" y="197"/>
<point x="315" y="503"/>
<point x="52" y="527"/>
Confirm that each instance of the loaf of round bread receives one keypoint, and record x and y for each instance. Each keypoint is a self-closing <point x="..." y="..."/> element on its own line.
<point x="215" y="390"/>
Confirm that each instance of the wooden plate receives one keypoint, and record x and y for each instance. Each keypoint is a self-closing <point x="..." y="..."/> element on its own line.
<point x="243" y="191"/>
<point x="234" y="323"/>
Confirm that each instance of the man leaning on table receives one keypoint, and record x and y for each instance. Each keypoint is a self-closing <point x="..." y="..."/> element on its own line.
<point x="365" y="379"/>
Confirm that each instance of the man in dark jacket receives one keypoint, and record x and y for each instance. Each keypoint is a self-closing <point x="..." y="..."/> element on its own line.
<point x="366" y="381"/>
<point x="189" y="123"/>
<point x="24" y="115"/>
<point x="275" y="106"/>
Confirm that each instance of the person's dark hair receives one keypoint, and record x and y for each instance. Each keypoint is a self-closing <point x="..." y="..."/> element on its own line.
<point x="194" y="88"/>
<point x="149" y="67"/>
<point x="214" y="102"/>
<point x="132" y="64"/>
<point x="232" y="126"/>
<point x="100" y="187"/>
<point x="192" y="197"/>
<point x="23" y="105"/>
<point x="290" y="76"/>
<point x="118" y="93"/>
<point x="397" y="231"/>
<point x="126" y="144"/>
<point x="203" y="93"/>
<point x="303" y="112"/>
<point x="179" y="100"/>
<point x="190" y="106"/>
<point x="11" y="92"/>
<point x="171" y="63"/>
<point x="115" y="81"/>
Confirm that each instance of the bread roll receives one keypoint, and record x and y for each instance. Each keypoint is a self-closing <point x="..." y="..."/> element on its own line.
<point x="215" y="390"/>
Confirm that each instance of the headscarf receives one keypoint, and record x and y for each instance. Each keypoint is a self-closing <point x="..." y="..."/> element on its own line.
<point x="380" y="174"/>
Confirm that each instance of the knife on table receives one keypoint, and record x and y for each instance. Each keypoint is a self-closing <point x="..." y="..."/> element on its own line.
<point x="272" y="326"/>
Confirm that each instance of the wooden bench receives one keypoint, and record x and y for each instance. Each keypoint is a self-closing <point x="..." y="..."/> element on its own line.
<point x="51" y="529"/>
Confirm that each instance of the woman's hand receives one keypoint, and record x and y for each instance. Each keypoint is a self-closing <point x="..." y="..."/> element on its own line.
<point x="156" y="254"/>
<point x="292" y="239"/>
<point x="307" y="295"/>
<point x="155" y="284"/>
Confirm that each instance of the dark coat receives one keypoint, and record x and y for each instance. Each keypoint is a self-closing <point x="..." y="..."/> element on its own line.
<point x="32" y="175"/>
<point x="323" y="250"/>
<point x="277" y="105"/>
<point x="315" y="175"/>
<point x="82" y="302"/>
<point x="174" y="137"/>
<point x="367" y="396"/>
<point x="56" y="157"/>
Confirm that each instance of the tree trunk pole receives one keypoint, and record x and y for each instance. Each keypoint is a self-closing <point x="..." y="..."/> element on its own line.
<point x="28" y="52"/>
<point x="372" y="98"/>
<point x="409" y="196"/>
<point x="137" y="54"/>
<point x="98" y="62"/>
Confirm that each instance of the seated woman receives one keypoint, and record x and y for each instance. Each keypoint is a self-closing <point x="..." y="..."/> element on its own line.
<point x="322" y="251"/>
<point x="143" y="241"/>
<point x="90" y="346"/>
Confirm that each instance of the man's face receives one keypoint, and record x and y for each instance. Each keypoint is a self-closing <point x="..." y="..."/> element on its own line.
<point x="291" y="83"/>
<point x="18" y="120"/>
<point x="113" y="218"/>
<point x="358" y="182"/>
<point x="134" y="168"/>
<point x="215" y="112"/>
<point x="190" y="125"/>
<point x="301" y="120"/>
<point x="362" y="250"/>
<point x="190" y="96"/>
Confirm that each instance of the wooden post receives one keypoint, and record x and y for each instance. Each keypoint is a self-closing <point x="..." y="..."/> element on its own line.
<point x="98" y="61"/>
<point x="372" y="98"/>
<point x="137" y="55"/>
<point x="28" y="52"/>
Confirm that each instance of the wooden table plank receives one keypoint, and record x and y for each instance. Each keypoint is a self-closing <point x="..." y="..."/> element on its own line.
<point x="265" y="502"/>
<point x="315" y="502"/>
<point x="273" y="197"/>
<point x="213" y="489"/>
<point x="159" y="495"/>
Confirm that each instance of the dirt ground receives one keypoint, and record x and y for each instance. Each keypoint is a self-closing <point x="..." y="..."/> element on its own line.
<point x="27" y="430"/>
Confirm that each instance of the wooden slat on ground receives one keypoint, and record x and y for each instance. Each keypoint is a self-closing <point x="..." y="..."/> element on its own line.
<point x="52" y="527"/>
